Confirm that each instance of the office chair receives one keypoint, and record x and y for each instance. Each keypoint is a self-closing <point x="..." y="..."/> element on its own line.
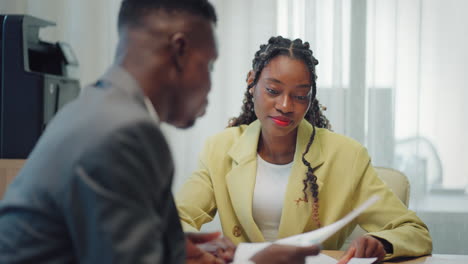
<point x="398" y="183"/>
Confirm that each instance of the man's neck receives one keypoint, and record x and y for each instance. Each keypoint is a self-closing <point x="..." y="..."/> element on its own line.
<point x="152" y="87"/>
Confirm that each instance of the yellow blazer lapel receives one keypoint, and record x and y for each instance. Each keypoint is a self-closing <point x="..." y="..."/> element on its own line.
<point x="241" y="180"/>
<point x="296" y="212"/>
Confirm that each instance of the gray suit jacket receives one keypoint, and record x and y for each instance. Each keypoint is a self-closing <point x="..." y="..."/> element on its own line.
<point x="97" y="186"/>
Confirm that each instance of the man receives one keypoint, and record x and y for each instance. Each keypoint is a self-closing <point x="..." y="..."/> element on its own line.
<point x="97" y="186"/>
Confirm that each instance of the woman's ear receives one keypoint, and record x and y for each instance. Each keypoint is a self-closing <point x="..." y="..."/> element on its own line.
<point x="178" y="44"/>
<point x="250" y="77"/>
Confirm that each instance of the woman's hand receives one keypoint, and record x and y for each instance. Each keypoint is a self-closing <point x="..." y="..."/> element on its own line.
<point x="364" y="247"/>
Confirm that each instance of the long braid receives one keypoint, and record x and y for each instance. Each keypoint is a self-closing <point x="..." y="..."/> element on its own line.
<point x="298" y="50"/>
<point x="311" y="180"/>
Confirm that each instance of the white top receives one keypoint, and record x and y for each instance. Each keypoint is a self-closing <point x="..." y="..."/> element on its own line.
<point x="270" y="187"/>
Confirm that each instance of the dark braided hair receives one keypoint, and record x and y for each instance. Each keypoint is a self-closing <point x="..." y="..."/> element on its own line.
<point x="298" y="50"/>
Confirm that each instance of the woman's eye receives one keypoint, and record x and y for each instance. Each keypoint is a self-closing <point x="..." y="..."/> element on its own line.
<point x="302" y="98"/>
<point x="271" y="91"/>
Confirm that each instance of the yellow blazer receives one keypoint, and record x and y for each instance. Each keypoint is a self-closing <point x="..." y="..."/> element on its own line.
<point x="225" y="179"/>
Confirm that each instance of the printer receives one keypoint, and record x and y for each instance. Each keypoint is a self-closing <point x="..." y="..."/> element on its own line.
<point x="34" y="83"/>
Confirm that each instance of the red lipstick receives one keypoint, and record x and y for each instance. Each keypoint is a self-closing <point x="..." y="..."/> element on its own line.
<point x="281" y="121"/>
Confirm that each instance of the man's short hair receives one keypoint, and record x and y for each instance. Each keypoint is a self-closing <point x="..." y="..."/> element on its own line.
<point x="132" y="11"/>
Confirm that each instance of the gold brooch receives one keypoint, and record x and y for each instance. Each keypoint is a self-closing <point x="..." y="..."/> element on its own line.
<point x="237" y="231"/>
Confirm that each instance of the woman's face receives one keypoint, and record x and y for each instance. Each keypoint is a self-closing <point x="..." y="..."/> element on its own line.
<point x="282" y="95"/>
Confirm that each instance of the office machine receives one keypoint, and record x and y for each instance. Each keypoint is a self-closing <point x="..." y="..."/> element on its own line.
<point x="34" y="83"/>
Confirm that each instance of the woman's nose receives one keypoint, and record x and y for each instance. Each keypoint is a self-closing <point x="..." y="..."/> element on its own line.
<point x="285" y="104"/>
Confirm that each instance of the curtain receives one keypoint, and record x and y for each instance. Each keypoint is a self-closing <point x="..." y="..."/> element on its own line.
<point x="391" y="73"/>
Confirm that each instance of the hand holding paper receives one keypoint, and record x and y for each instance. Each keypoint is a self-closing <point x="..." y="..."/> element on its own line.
<point x="365" y="247"/>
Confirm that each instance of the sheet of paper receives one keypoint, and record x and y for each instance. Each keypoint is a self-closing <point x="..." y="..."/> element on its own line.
<point x="320" y="235"/>
<point x="362" y="260"/>
<point x="324" y="259"/>
<point x="320" y="259"/>
<point x="245" y="251"/>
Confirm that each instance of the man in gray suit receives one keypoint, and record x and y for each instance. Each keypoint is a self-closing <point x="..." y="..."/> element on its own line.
<point x="97" y="186"/>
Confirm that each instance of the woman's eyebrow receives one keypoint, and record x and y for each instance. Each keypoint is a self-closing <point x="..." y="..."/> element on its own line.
<point x="308" y="85"/>
<point x="274" y="80"/>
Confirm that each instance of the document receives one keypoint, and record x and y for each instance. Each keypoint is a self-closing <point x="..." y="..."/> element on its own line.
<point x="245" y="251"/>
<point x="362" y="260"/>
<point x="320" y="235"/>
<point x="320" y="259"/>
<point x="324" y="259"/>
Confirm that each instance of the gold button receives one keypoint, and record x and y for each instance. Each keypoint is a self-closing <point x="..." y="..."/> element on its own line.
<point x="237" y="231"/>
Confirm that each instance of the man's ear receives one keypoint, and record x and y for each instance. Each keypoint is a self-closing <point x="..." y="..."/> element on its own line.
<point x="178" y="44"/>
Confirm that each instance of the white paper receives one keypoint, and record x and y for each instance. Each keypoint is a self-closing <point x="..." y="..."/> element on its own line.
<point x="320" y="235"/>
<point x="324" y="259"/>
<point x="245" y="251"/>
<point x="362" y="260"/>
<point x="320" y="259"/>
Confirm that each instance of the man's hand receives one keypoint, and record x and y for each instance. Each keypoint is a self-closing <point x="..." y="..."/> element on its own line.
<point x="279" y="254"/>
<point x="196" y="254"/>
<point x="364" y="247"/>
<point x="221" y="247"/>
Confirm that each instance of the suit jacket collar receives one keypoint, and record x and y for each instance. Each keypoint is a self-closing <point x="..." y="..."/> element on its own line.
<point x="118" y="77"/>
<point x="241" y="182"/>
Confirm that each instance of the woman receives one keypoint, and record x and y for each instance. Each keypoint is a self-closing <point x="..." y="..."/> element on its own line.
<point x="277" y="171"/>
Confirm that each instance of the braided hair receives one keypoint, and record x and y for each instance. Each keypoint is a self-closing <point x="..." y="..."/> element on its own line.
<point x="298" y="50"/>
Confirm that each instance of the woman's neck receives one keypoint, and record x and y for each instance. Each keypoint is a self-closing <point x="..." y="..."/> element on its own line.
<point x="277" y="149"/>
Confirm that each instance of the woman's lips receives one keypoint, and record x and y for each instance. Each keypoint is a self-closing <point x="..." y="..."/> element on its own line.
<point x="281" y="121"/>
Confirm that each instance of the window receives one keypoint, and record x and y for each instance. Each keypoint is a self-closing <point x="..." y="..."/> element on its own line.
<point x="392" y="74"/>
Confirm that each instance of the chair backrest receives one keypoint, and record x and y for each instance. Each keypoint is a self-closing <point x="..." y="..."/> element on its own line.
<point x="398" y="183"/>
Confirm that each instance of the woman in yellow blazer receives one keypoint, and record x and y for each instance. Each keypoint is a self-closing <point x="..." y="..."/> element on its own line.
<point x="328" y="174"/>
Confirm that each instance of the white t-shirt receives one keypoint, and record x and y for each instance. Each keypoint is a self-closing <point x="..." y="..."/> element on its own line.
<point x="270" y="188"/>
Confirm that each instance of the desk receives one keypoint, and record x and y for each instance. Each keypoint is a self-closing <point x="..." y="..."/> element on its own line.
<point x="434" y="259"/>
<point x="8" y="170"/>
